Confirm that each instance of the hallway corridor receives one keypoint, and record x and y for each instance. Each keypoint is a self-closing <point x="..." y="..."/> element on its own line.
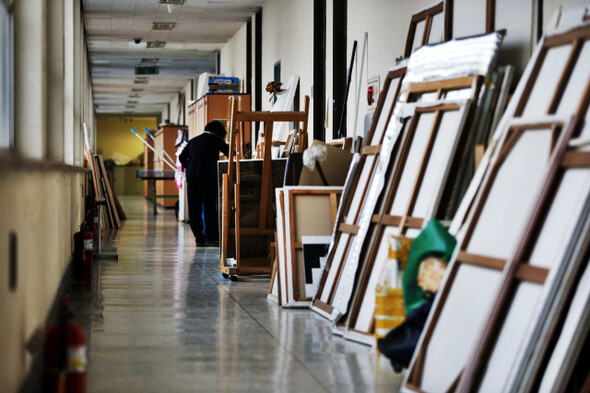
<point x="163" y="319"/>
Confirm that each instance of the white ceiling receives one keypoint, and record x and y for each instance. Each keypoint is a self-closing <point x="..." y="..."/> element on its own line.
<point x="201" y="28"/>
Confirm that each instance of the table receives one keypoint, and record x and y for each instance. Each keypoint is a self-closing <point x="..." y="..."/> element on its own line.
<point x="153" y="175"/>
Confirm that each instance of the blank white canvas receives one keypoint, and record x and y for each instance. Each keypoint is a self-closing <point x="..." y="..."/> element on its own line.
<point x="562" y="217"/>
<point x="412" y="164"/>
<point x="438" y="163"/>
<point x="517" y="321"/>
<point x="284" y="103"/>
<point x="467" y="303"/>
<point x="577" y="316"/>
<point x="546" y="82"/>
<point x="511" y="196"/>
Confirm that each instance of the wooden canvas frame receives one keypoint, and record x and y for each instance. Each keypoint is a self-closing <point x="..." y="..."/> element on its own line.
<point x="231" y="190"/>
<point x="469" y="266"/>
<point x="425" y="16"/>
<point x="527" y="257"/>
<point x="409" y="223"/>
<point x="293" y="220"/>
<point x="567" y="95"/>
<point x="339" y="254"/>
<point x="579" y="39"/>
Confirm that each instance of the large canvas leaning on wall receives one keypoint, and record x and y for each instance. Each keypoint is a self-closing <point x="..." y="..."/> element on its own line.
<point x="521" y="233"/>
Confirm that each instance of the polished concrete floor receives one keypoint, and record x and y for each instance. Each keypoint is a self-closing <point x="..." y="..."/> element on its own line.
<point x="163" y="319"/>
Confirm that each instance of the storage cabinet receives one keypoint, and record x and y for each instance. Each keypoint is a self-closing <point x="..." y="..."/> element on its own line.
<point x="216" y="107"/>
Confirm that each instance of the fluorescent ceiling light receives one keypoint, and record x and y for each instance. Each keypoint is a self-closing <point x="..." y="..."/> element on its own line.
<point x="155" y="44"/>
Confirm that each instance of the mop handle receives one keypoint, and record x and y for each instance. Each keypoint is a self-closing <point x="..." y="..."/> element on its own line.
<point x="160" y="146"/>
<point x="154" y="150"/>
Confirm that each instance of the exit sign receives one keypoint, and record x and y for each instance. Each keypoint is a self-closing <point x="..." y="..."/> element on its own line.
<point x="147" y="70"/>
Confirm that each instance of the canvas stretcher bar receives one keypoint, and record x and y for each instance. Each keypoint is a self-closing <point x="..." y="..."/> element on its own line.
<point x="498" y="217"/>
<point x="324" y="300"/>
<point x="433" y="138"/>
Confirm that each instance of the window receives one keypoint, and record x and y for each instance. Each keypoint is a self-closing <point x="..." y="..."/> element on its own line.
<point x="6" y="75"/>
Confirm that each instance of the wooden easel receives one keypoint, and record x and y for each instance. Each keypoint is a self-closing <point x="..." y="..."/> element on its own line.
<point x="231" y="191"/>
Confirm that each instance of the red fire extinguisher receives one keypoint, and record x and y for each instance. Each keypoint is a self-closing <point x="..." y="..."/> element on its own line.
<point x="83" y="249"/>
<point x="64" y="355"/>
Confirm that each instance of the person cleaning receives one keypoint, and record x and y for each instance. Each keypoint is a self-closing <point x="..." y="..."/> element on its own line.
<point x="199" y="157"/>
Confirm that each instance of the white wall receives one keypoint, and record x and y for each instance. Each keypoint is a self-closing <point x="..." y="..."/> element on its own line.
<point x="42" y="182"/>
<point x="233" y="57"/>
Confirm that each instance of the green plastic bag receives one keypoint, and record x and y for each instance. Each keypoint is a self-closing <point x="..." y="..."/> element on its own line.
<point x="434" y="240"/>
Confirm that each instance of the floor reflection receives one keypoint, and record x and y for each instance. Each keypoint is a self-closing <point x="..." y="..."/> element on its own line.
<point x="163" y="319"/>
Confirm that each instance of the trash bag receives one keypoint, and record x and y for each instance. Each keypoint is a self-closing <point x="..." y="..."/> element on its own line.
<point x="399" y="344"/>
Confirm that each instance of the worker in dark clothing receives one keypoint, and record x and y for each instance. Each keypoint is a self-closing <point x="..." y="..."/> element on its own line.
<point x="199" y="157"/>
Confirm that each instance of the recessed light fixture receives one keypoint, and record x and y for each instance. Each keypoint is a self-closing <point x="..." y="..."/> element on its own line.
<point x="172" y="2"/>
<point x="147" y="60"/>
<point x="155" y="44"/>
<point x="162" y="25"/>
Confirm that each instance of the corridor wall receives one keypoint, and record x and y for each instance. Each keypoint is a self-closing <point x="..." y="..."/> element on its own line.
<point x="41" y="174"/>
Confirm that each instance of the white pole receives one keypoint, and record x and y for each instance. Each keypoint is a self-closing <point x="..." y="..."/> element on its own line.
<point x="160" y="146"/>
<point x="159" y="155"/>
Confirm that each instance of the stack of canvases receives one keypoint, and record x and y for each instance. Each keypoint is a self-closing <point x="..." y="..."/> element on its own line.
<point x="512" y="314"/>
<point x="306" y="215"/>
<point x="410" y="171"/>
